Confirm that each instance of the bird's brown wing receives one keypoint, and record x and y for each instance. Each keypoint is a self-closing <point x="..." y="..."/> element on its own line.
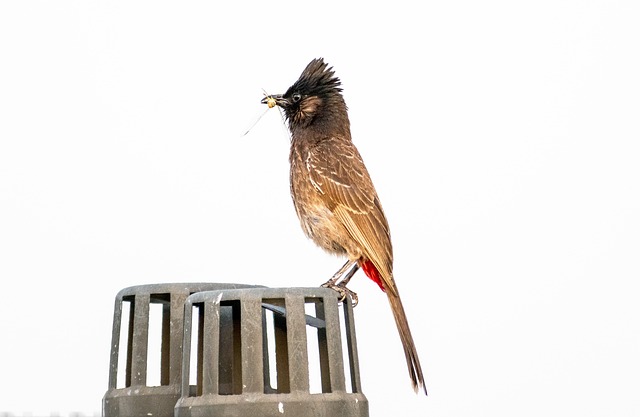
<point x="338" y="173"/>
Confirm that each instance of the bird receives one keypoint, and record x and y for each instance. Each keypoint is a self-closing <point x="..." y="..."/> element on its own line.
<point x="333" y="195"/>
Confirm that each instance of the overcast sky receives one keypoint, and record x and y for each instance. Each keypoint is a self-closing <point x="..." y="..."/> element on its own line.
<point x="503" y="139"/>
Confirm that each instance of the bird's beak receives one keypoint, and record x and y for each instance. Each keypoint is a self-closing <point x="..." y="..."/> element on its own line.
<point x="274" y="100"/>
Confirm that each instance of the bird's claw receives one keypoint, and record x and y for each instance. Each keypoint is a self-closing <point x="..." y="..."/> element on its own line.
<point x="343" y="291"/>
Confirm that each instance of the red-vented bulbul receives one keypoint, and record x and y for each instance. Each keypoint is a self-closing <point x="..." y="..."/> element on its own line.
<point x="334" y="197"/>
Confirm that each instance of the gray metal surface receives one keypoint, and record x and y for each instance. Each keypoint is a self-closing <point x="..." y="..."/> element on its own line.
<point x="232" y="364"/>
<point x="135" y="398"/>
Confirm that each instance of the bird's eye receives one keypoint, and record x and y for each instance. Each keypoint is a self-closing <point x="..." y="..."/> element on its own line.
<point x="296" y="97"/>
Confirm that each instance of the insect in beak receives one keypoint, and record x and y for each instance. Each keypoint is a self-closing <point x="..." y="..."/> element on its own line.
<point x="271" y="102"/>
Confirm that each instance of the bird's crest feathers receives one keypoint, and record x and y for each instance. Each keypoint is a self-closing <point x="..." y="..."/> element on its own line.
<point x="316" y="79"/>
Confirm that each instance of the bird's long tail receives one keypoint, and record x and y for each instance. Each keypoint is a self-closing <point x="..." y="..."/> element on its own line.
<point x="410" y="352"/>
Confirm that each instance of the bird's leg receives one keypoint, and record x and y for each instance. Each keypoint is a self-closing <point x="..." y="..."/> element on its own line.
<point x="336" y="277"/>
<point x="344" y="281"/>
<point x="335" y="283"/>
<point x="343" y="284"/>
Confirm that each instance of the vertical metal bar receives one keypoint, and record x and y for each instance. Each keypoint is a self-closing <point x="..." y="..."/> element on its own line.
<point x="211" y="346"/>
<point x="297" y="341"/>
<point x="186" y="346"/>
<point x="115" y="343"/>
<point x="323" y="349"/>
<point x="336" y="365"/>
<point x="352" y="347"/>
<point x="140" y="340"/>
<point x="252" y="334"/>
<point x="178" y="309"/>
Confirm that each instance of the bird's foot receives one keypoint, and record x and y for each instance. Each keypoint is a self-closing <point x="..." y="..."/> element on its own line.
<point x="343" y="291"/>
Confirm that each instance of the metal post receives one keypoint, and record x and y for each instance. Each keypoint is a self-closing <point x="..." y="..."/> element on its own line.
<point x="251" y="393"/>
<point x="135" y="397"/>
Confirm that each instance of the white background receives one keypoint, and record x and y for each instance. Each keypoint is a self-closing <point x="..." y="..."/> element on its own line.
<point x="503" y="139"/>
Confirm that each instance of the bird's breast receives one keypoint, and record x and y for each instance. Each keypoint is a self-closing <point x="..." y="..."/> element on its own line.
<point x="317" y="220"/>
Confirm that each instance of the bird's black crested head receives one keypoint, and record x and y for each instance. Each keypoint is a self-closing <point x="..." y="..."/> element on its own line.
<point x="316" y="80"/>
<point x="316" y="95"/>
